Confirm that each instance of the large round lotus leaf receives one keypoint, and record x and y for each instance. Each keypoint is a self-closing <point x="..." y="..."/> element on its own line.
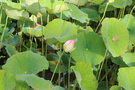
<point x="85" y="76"/>
<point x="26" y="63"/>
<point x="75" y="13"/>
<point x="115" y="87"/>
<point x="121" y="3"/>
<point x="96" y="1"/>
<point x="35" y="82"/>
<point x="102" y="7"/>
<point x="89" y="48"/>
<point x="58" y="88"/>
<point x="92" y="14"/>
<point x="2" y="80"/>
<point x="129" y="21"/>
<point x="18" y="14"/>
<point x="60" y="30"/>
<point x="9" y="4"/>
<point x="129" y="59"/>
<point x="126" y="78"/>
<point x="9" y="81"/>
<point x="48" y="4"/>
<point x="21" y="86"/>
<point x="38" y="32"/>
<point x="32" y="6"/>
<point x="14" y="10"/>
<point x="115" y="36"/>
<point x="53" y="6"/>
<point x="77" y="2"/>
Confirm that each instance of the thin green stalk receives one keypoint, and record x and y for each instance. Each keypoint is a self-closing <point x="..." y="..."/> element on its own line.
<point x="132" y="9"/>
<point x="48" y="18"/>
<point x="59" y="75"/>
<point x="102" y="17"/>
<point x="115" y="13"/>
<point x="42" y="41"/>
<point x="106" y="82"/>
<point x="74" y="88"/>
<point x="36" y="42"/>
<point x="30" y="39"/>
<point x="46" y="48"/>
<point x="1" y="13"/>
<point x="21" y="40"/>
<point x="106" y="75"/>
<point x="23" y="44"/>
<point x="61" y="15"/>
<point x="69" y="72"/>
<point x="123" y="11"/>
<point x="121" y="14"/>
<point x="61" y="11"/>
<point x="63" y="76"/>
<point x="2" y="36"/>
<point x="57" y="65"/>
<point x="101" y="66"/>
<point x="42" y="38"/>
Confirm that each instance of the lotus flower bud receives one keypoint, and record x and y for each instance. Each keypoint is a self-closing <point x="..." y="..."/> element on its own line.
<point x="111" y="1"/>
<point x="39" y="15"/>
<point x="69" y="46"/>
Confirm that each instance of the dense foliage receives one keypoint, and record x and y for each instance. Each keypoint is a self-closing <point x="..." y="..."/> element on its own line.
<point x="67" y="45"/>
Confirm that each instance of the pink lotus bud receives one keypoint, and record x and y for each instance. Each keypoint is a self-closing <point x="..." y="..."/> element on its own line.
<point x="36" y="25"/>
<point x="69" y="46"/>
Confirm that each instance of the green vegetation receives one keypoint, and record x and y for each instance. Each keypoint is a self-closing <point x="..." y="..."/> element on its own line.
<point x="67" y="44"/>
